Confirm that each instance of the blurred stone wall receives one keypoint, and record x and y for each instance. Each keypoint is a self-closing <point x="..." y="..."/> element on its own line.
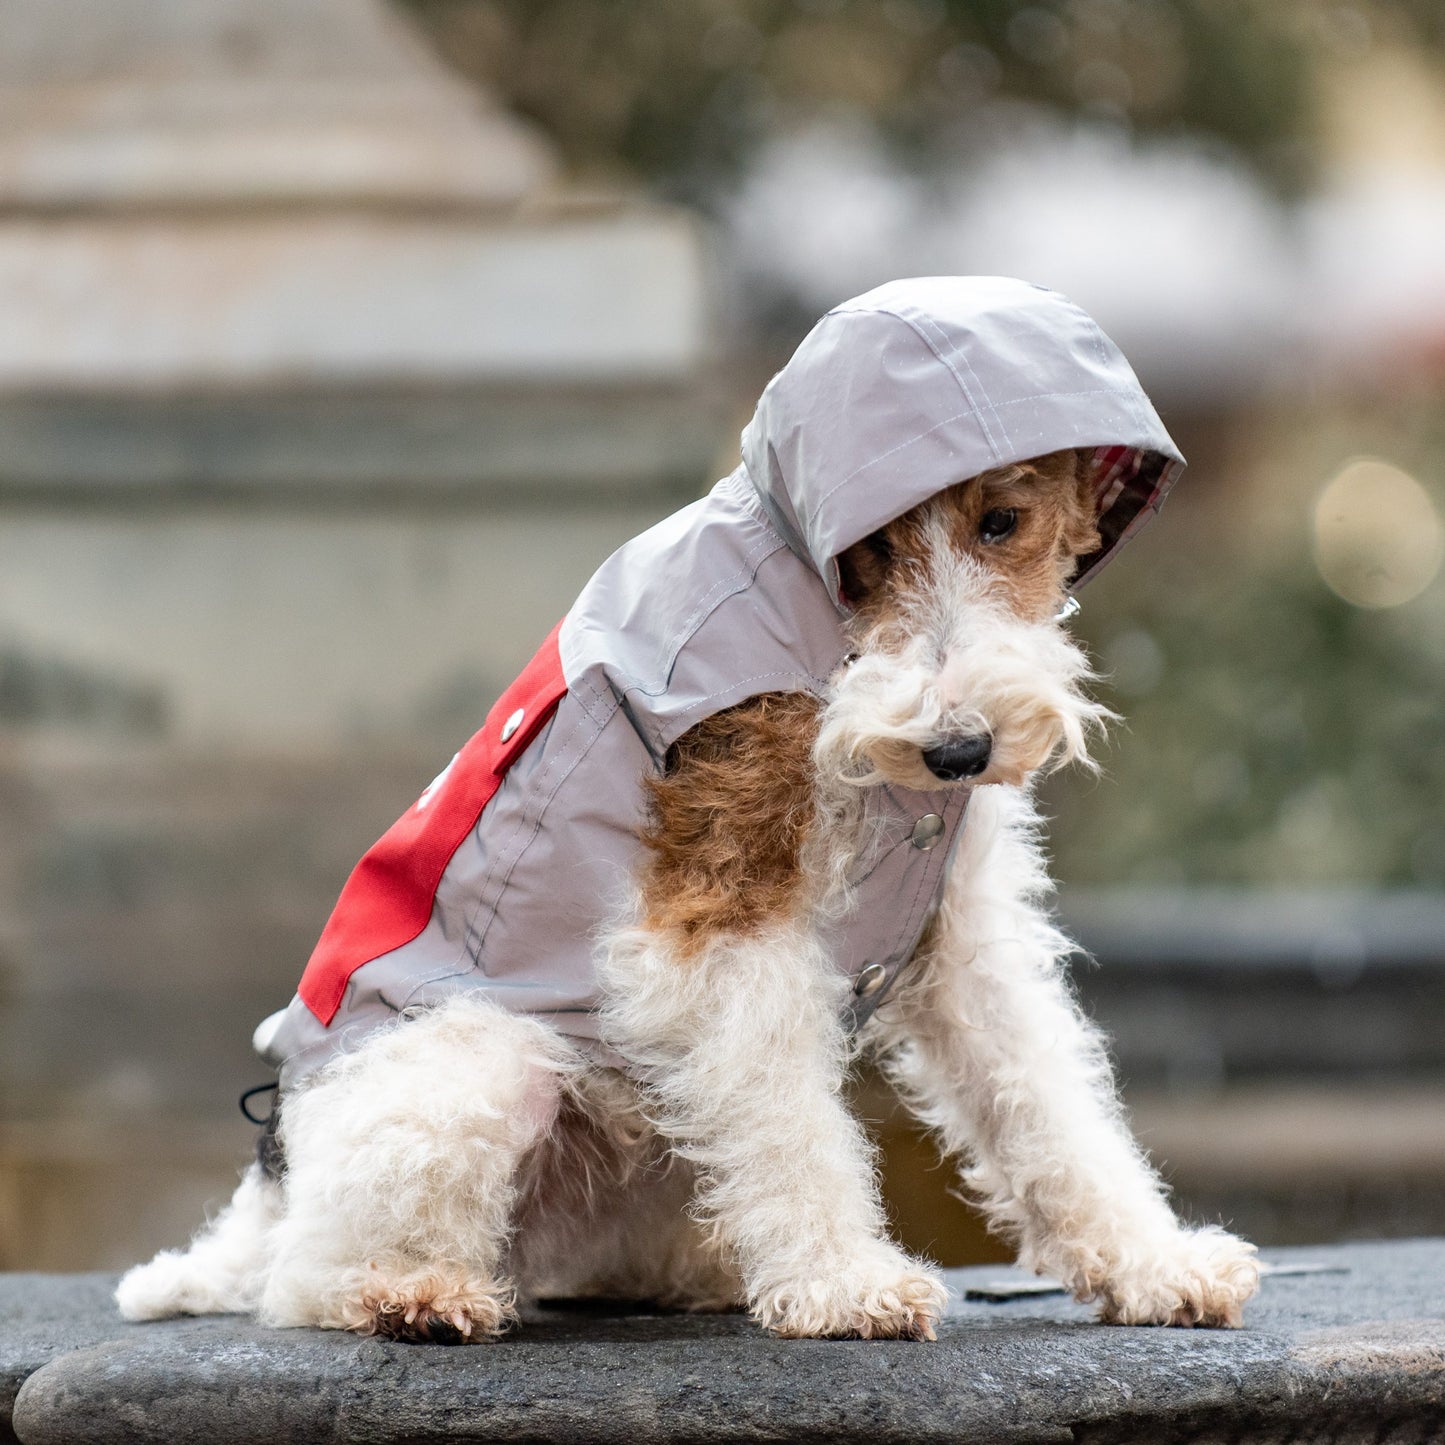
<point x="319" y="400"/>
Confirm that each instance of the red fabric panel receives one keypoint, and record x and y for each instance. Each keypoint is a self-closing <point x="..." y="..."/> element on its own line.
<point x="388" y="898"/>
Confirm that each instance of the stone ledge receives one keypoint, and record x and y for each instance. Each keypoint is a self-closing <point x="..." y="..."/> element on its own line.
<point x="1357" y="1353"/>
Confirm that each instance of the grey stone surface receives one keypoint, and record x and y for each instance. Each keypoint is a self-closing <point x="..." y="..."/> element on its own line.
<point x="45" y="1316"/>
<point x="1354" y="1354"/>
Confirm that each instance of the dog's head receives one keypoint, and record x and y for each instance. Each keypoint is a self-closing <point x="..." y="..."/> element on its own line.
<point x="961" y="672"/>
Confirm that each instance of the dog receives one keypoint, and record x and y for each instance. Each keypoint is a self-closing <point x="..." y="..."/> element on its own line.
<point x="812" y="842"/>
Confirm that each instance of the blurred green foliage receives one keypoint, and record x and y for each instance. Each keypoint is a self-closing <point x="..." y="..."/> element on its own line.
<point x="1274" y="734"/>
<point x="1298" y="741"/>
<point x="676" y="92"/>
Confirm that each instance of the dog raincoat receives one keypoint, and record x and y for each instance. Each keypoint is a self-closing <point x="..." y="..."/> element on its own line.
<point x="504" y="874"/>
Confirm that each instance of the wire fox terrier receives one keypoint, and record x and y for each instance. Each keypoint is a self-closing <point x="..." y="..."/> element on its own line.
<point x="469" y="1154"/>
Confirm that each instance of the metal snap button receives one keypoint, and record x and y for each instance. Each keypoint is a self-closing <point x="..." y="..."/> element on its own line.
<point x="509" y="728"/>
<point x="927" y="831"/>
<point x="870" y="980"/>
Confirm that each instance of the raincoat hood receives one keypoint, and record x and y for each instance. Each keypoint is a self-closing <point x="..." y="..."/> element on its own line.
<point x="923" y="383"/>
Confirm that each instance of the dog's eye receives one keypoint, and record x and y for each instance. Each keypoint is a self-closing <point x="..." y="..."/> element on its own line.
<point x="997" y="524"/>
<point x="878" y="543"/>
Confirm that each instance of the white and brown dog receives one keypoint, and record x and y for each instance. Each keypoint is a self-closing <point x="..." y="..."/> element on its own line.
<point x="800" y="889"/>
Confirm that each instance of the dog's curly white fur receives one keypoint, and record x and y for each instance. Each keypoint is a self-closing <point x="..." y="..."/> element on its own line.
<point x="460" y="1157"/>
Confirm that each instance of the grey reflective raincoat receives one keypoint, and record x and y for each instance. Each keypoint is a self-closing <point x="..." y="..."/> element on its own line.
<point x="504" y="873"/>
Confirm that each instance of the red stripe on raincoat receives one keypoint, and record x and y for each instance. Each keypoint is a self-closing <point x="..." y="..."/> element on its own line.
<point x="388" y="899"/>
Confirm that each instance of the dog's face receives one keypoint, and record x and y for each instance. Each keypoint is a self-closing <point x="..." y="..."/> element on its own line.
<point x="962" y="673"/>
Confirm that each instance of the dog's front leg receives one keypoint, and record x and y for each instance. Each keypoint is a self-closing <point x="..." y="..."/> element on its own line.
<point x="991" y="1048"/>
<point x="741" y="1046"/>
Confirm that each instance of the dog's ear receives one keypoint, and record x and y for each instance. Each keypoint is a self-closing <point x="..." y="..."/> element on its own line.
<point x="1081" y="526"/>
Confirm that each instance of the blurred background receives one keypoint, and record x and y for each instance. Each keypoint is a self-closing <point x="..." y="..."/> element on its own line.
<point x="340" y="340"/>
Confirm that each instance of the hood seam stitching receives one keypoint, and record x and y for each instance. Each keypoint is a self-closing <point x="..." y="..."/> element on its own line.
<point x="942" y="353"/>
<point x="883" y="456"/>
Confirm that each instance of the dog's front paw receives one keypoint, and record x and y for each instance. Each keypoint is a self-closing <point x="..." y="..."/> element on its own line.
<point x="434" y="1307"/>
<point x="886" y="1296"/>
<point x="1200" y="1277"/>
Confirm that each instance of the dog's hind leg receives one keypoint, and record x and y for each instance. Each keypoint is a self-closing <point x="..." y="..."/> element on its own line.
<point x="606" y="1209"/>
<point x="401" y="1175"/>
<point x="223" y="1269"/>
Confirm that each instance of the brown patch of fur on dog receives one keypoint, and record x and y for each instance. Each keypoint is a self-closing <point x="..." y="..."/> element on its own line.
<point x="729" y="817"/>
<point x="732" y="809"/>
<point x="1057" y="524"/>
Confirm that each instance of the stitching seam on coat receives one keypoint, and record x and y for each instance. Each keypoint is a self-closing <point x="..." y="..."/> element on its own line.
<point x="883" y="456"/>
<point x="946" y="352"/>
<point x="537" y="810"/>
<point x="457" y="963"/>
<point x="716" y="595"/>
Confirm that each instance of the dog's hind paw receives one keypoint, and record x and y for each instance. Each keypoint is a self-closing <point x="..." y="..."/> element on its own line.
<point x="433" y="1308"/>
<point x="888" y="1298"/>
<point x="1202" y="1279"/>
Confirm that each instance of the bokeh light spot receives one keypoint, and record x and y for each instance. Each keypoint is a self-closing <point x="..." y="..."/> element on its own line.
<point x="1378" y="540"/>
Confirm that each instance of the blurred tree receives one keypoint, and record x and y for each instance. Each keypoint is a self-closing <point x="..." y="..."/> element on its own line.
<point x="1280" y="735"/>
<point x="1310" y="756"/>
<point x="677" y="94"/>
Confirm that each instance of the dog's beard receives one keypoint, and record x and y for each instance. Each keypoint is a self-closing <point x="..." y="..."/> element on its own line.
<point x="952" y="660"/>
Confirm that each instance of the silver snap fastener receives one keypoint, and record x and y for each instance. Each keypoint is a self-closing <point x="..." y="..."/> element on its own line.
<point x="927" y="831"/>
<point x="870" y="980"/>
<point x="509" y="728"/>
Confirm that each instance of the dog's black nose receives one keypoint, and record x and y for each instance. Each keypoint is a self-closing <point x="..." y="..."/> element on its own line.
<point x="963" y="758"/>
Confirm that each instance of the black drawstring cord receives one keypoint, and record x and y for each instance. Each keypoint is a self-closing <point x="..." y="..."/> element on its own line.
<point x="251" y="1094"/>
